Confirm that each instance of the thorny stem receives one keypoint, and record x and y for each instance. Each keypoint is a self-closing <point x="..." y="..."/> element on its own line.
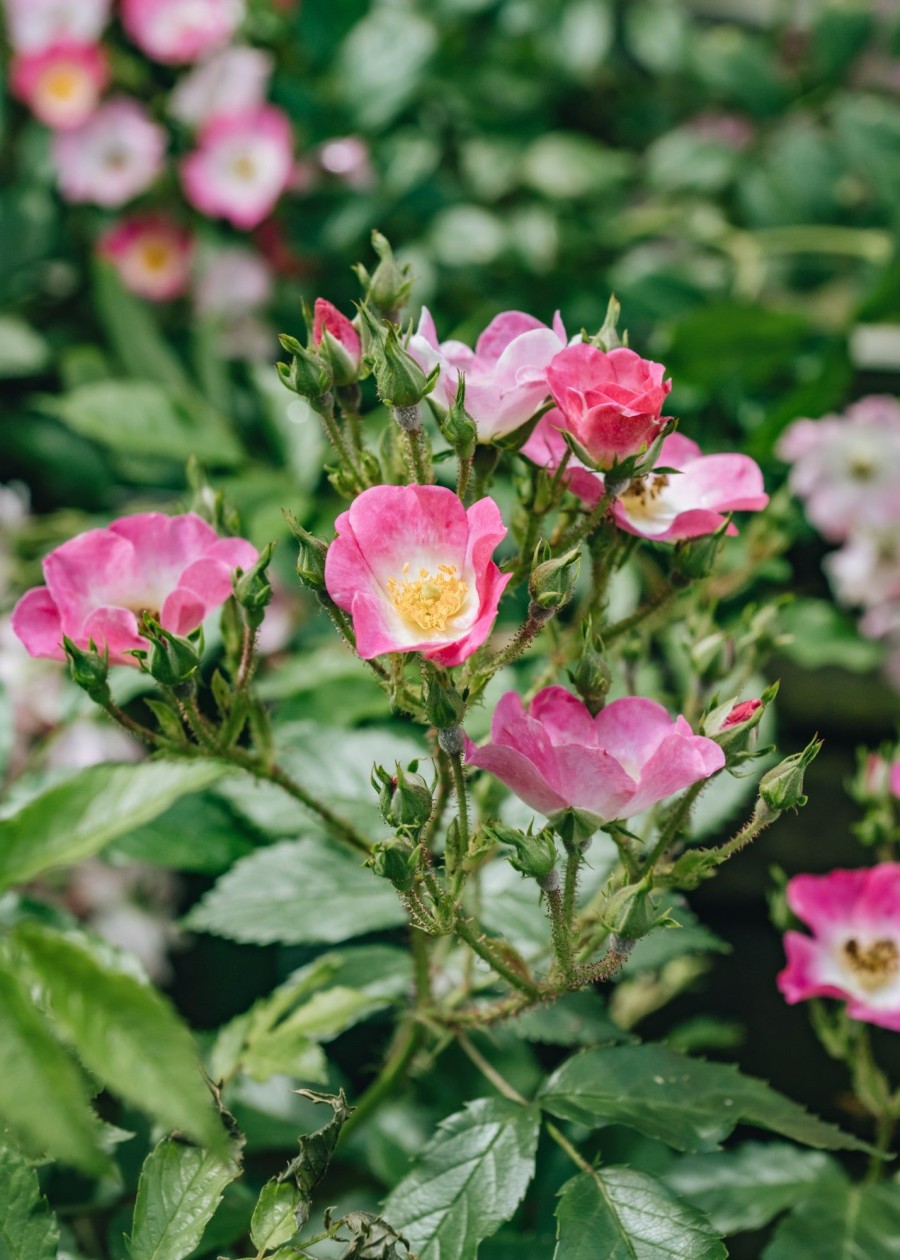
<point x="567" y="539"/>
<point x="416" y="453"/>
<point x="570" y="887"/>
<point x="481" y="947"/>
<point x="529" y="630"/>
<point x="560" y="933"/>
<point x="245" y="668"/>
<point x="462" y="477"/>
<point x="604" y="969"/>
<point x="665" y="596"/>
<point x="137" y="729"/>
<point x="462" y="801"/>
<point x="344" y="452"/>
<point x="676" y="821"/>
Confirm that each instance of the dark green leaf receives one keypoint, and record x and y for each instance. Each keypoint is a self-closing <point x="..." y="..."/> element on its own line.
<point x="275" y="1215"/>
<point x="300" y="891"/>
<point x="469" y="1179"/>
<point x="622" y="1214"/>
<point x="575" y="1019"/>
<point x="124" y="1031"/>
<point x="28" y="1229"/>
<point x="845" y="1223"/>
<point x="178" y="1193"/>
<point x="316" y="1149"/>
<point x="689" y="1103"/>
<point x="133" y="332"/>
<point x="71" y="821"/>
<point x="199" y="833"/>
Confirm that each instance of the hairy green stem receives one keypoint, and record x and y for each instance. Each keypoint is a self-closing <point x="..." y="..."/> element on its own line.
<point x="566" y="540"/>
<point x="560" y="931"/>
<point x="657" y="603"/>
<point x="481" y="947"/>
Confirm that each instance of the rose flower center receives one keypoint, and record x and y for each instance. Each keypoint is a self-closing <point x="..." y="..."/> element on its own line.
<point x="874" y="965"/>
<point x="642" y="498"/>
<point x="244" y="168"/>
<point x="155" y="255"/>
<point x="431" y="599"/>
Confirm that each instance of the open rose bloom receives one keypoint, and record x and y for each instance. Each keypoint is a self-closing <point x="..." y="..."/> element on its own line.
<point x="555" y="756"/>
<point x="99" y="583"/>
<point x="180" y="31"/>
<point x="112" y="157"/>
<point x="232" y="81"/>
<point x="33" y="26"/>
<point x="241" y="167"/>
<point x="152" y="255"/>
<point x="62" y="84"/>
<point x="413" y="568"/>
<point x="506" y="373"/>
<point x="854" y="951"/>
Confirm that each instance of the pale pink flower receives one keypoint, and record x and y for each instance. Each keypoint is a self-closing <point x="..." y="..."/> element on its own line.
<point x="866" y="570"/>
<point x="61" y="85"/>
<point x="414" y="570"/>
<point x="611" y="402"/>
<point x="347" y="159"/>
<point x="846" y="468"/>
<point x="180" y="31"/>
<point x="854" y="951"/>
<point x="111" y="158"/>
<point x="98" y="584"/>
<point x="151" y="253"/>
<point x="342" y="343"/>
<point x="241" y="167"/>
<point x="662" y="506"/>
<point x="231" y="81"/>
<point x="35" y="25"/>
<point x="506" y="373"/>
<point x="554" y="756"/>
<point x="231" y="281"/>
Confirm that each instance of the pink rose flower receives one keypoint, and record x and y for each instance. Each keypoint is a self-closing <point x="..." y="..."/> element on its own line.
<point x="665" y="507"/>
<point x="414" y="570"/>
<point x="846" y="468"/>
<point x="611" y="403"/>
<point x="35" y="25"/>
<point x="111" y="158"/>
<point x="347" y="159"/>
<point x="61" y="85"/>
<point x="866" y="570"/>
<point x="98" y="583"/>
<point x="232" y="81"/>
<point x="151" y="253"/>
<point x="506" y="373"/>
<point x="555" y="756"/>
<point x="343" y="344"/>
<point x="242" y="166"/>
<point x="180" y="31"/>
<point x="854" y="951"/>
<point x="231" y="281"/>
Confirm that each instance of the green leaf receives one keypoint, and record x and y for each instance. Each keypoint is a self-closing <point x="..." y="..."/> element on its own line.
<point x="622" y="1214"/>
<point x="746" y="1188"/>
<point x="298" y="892"/>
<point x="316" y="1149"/>
<point x="575" y="1019"/>
<point x="689" y="1103"/>
<point x="71" y="821"/>
<point x="824" y="635"/>
<point x="178" y="1193"/>
<point x="469" y="1179"/>
<point x="43" y="1096"/>
<point x="845" y="1223"/>
<point x="198" y="833"/>
<point x="23" y="352"/>
<point x="275" y="1215"/>
<point x="133" y="332"/>
<point x="124" y="1031"/>
<point x="28" y="1229"/>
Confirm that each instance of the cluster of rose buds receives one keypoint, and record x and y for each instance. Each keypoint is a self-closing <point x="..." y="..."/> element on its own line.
<point x="846" y="469"/>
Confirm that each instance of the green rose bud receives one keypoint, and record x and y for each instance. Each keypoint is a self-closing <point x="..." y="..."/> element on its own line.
<point x="89" y="670"/>
<point x="458" y="427"/>
<point x="591" y="676"/>
<point x="552" y="581"/>
<point x="389" y="286"/>
<point x="404" y="799"/>
<point x="533" y="856"/>
<point x="174" y="660"/>
<point x="782" y="787"/>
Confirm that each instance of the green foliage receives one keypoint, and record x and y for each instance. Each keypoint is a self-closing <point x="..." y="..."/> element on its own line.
<point x="179" y="1190"/>
<point x="28" y="1229"/>
<point x="844" y="1221"/>
<point x="274" y="1219"/>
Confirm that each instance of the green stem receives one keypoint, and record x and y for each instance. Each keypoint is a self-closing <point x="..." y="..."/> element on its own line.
<point x="570" y="887"/>
<point x="535" y="621"/>
<point x="665" y="596"/>
<point x="575" y="1156"/>
<point x="510" y="975"/>
<point x="676" y="821"/>
<point x="462" y="801"/>
<point x="489" y="1071"/>
<point x="418" y="456"/>
<point x="118" y="715"/>
<point x="560" y="930"/>
<point x="345" y="453"/>
<point x="464" y="472"/>
<point x="588" y="524"/>
<point x="409" y="1037"/>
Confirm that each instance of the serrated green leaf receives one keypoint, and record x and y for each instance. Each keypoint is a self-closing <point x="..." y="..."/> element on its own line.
<point x="316" y="1149"/>
<point x="43" y="1096"/>
<point x="298" y="892"/>
<point x="748" y="1187"/>
<point x="689" y="1103"/>
<point x="575" y="1019"/>
<point x="469" y="1179"/>
<point x="275" y="1215"/>
<point x="622" y="1214"/>
<point x="198" y="833"/>
<point x="178" y="1193"/>
<point x="125" y="1032"/>
<point x="845" y="1223"/>
<point x="28" y="1229"/>
<point x="77" y="818"/>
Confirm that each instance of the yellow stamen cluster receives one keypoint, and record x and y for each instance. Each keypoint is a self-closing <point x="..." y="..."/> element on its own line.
<point x="640" y="499"/>
<point x="155" y="254"/>
<point x="61" y="82"/>
<point x="431" y="599"/>
<point x="873" y="965"/>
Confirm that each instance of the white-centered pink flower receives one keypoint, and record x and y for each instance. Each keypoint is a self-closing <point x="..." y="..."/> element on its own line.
<point x="112" y="157"/>
<point x="611" y="402"/>
<point x="100" y="582"/>
<point x="181" y="31"/>
<point x="35" y="25"/>
<point x="554" y="756"/>
<point x="854" y="951"/>
<point x="232" y="81"/>
<point x="506" y="373"/>
<point x="664" y="506"/>
<point x="846" y="468"/>
<point x="241" y="166"/>
<point x="231" y="281"/>
<point x="413" y="568"/>
<point x="62" y="84"/>
<point x="151" y="253"/>
<point x="866" y="570"/>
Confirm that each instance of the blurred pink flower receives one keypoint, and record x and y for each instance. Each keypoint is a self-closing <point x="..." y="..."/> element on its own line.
<point x="61" y="85"/>
<point x="151" y="253"/>
<point x="506" y="373"/>
<point x="111" y="158"/>
<point x="241" y="167"/>
<point x="35" y="25"/>
<point x="414" y="570"/>
<point x="175" y="567"/>
<point x="180" y="31"/>
<point x="846" y="468"/>
<point x="231" y="81"/>
<point x="347" y="159"/>
<point x="554" y="756"/>
<point x="866" y="570"/>
<point x="854" y="951"/>
<point x="231" y="281"/>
